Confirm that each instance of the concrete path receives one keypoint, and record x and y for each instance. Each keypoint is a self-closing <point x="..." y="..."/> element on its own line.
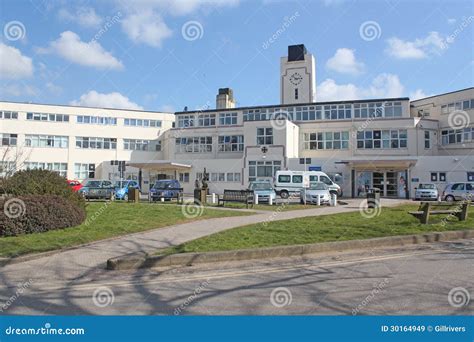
<point x="83" y="262"/>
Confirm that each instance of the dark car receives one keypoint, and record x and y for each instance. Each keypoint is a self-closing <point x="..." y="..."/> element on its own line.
<point x="97" y="189"/>
<point x="165" y="188"/>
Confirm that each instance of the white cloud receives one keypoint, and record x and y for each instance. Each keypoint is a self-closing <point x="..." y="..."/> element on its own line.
<point x="344" y="61"/>
<point x="418" y="94"/>
<point x="91" y="54"/>
<point x="110" y="100"/>
<point x="420" y="48"/>
<point x="179" y="7"/>
<point x="84" y="16"/>
<point x="14" y="65"/>
<point x="451" y="21"/>
<point x="146" y="27"/>
<point x="383" y="85"/>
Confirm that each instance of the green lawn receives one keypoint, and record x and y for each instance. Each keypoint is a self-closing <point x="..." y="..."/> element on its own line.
<point x="338" y="227"/>
<point x="105" y="220"/>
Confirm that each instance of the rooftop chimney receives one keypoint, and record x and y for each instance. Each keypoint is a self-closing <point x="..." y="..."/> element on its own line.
<point x="225" y="99"/>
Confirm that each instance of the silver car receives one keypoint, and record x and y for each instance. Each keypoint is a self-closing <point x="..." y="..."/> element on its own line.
<point x="458" y="192"/>
<point x="426" y="192"/>
<point x="315" y="190"/>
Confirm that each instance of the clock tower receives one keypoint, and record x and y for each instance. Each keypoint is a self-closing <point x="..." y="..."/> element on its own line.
<point x="297" y="76"/>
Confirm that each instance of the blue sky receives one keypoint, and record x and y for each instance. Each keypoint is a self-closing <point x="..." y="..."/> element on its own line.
<point x="165" y="54"/>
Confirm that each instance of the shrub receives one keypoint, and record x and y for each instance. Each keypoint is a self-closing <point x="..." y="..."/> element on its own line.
<point x="40" y="182"/>
<point x="38" y="213"/>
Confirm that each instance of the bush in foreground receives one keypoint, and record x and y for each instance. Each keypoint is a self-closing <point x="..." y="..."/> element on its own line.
<point x="41" y="182"/>
<point x="38" y="213"/>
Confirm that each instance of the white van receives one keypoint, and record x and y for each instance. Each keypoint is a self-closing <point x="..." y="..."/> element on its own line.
<point x="292" y="182"/>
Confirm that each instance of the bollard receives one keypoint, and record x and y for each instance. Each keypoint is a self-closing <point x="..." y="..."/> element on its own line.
<point x="213" y="199"/>
<point x="256" y="198"/>
<point x="333" y="201"/>
<point x="270" y="200"/>
<point x="318" y="200"/>
<point x="162" y="199"/>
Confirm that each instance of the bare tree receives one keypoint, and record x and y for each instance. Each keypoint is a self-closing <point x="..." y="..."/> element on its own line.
<point x="12" y="159"/>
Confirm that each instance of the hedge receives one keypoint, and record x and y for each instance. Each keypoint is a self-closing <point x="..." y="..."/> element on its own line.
<point x="37" y="213"/>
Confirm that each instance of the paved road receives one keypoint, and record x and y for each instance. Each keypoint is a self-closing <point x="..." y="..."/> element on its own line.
<point x="413" y="280"/>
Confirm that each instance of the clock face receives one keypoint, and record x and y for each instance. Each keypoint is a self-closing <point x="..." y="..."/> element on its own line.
<point x="296" y="78"/>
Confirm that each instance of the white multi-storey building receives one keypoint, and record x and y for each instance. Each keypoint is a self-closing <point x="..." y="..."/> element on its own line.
<point x="392" y="143"/>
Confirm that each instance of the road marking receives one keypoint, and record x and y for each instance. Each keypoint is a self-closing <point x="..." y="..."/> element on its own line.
<point x="261" y="270"/>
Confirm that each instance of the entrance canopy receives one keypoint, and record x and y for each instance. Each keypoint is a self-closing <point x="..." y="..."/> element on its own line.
<point x="371" y="163"/>
<point x="160" y="165"/>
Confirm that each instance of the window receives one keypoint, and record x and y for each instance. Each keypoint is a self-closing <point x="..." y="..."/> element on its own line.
<point x="442" y="176"/>
<point x="205" y="120"/>
<point x="385" y="139"/>
<point x="54" y="141"/>
<point x="459" y="105"/>
<point x="326" y="140"/>
<point x="136" y="144"/>
<point x="458" y="186"/>
<point x="296" y="94"/>
<point x="193" y="145"/>
<point x="227" y="119"/>
<point x="451" y="136"/>
<point x="434" y="177"/>
<point x="259" y="169"/>
<point x="8" y="139"/>
<point x="83" y="171"/>
<point x="96" y="143"/>
<point x="470" y="176"/>
<point x="185" y="121"/>
<point x="284" y="179"/>
<point x="7" y="115"/>
<point x="47" y="117"/>
<point x="96" y="120"/>
<point x="378" y="110"/>
<point x="158" y="145"/>
<point x="184" y="177"/>
<point x="141" y="122"/>
<point x="60" y="168"/>
<point x="217" y="177"/>
<point x="233" y="176"/>
<point x="297" y="179"/>
<point x="427" y="139"/>
<point x="231" y="143"/>
<point x="305" y="160"/>
<point x="264" y="136"/>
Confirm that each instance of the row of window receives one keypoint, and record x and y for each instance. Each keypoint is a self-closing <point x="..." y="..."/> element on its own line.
<point x="194" y="145"/>
<point x="395" y="138"/>
<point x="7" y="139"/>
<point x="206" y="120"/>
<point x="141" y="145"/>
<point x="458" y="136"/>
<point x="326" y="141"/>
<point x="259" y="169"/>
<point x="142" y="122"/>
<point x="60" y="168"/>
<point x="459" y="105"/>
<point x="54" y="141"/>
<point x="220" y="176"/>
<point x="7" y="115"/>
<point x="96" y="120"/>
<point x="47" y="117"/>
<point x="96" y="143"/>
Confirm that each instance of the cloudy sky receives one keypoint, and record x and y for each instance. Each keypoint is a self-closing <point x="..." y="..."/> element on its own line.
<point x="167" y="54"/>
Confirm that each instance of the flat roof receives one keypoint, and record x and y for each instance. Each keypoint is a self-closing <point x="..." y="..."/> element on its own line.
<point x="451" y="92"/>
<point x="391" y="99"/>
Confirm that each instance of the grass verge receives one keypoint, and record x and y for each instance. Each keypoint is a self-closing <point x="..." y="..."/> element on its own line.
<point x="338" y="227"/>
<point x="105" y="220"/>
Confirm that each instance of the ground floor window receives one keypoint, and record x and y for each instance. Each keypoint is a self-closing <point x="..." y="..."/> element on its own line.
<point x="390" y="183"/>
<point x="263" y="169"/>
<point x="60" y="168"/>
<point x="83" y="171"/>
<point x="184" y="177"/>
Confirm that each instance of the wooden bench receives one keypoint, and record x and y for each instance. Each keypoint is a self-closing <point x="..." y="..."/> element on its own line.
<point x="240" y="196"/>
<point x="426" y="209"/>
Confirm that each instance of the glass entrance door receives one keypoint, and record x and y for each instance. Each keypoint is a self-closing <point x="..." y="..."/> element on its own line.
<point x="378" y="181"/>
<point x="391" y="184"/>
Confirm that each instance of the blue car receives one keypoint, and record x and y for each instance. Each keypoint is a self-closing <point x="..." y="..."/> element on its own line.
<point x="121" y="188"/>
<point x="163" y="189"/>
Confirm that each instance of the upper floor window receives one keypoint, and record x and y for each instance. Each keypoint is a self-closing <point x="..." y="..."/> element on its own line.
<point x="136" y="144"/>
<point x="459" y="105"/>
<point x="227" y="119"/>
<point x="194" y="144"/>
<point x="142" y="122"/>
<point x="96" y="143"/>
<point x="265" y="136"/>
<point x="378" y="109"/>
<point x="207" y="120"/>
<point x="451" y="136"/>
<point x="231" y="143"/>
<point x="60" y="168"/>
<point x="326" y="140"/>
<point x="8" y="115"/>
<point x="185" y="121"/>
<point x="8" y="139"/>
<point x="47" y="141"/>
<point x="47" y="117"/>
<point x="382" y="139"/>
<point x="96" y="120"/>
<point x="427" y="139"/>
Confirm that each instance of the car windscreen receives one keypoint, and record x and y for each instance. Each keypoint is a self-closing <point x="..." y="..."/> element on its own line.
<point x="163" y="185"/>
<point x="93" y="184"/>
<point x="426" y="187"/>
<point x="318" y="186"/>
<point x="120" y="184"/>
<point x="261" y="186"/>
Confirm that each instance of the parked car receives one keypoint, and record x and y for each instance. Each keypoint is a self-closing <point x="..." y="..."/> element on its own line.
<point x="315" y="190"/>
<point x="458" y="192"/>
<point x="264" y="190"/>
<point x="292" y="182"/>
<point x="122" y="186"/>
<point x="163" y="189"/>
<point x="426" y="191"/>
<point x="74" y="184"/>
<point x="97" y="189"/>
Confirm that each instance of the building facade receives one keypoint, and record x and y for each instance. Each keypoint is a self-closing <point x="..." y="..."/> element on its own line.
<point x="392" y="143"/>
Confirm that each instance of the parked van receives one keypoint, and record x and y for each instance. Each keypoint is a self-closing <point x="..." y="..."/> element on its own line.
<point x="292" y="182"/>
